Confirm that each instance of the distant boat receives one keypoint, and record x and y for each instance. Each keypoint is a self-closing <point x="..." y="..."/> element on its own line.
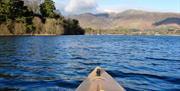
<point x="99" y="80"/>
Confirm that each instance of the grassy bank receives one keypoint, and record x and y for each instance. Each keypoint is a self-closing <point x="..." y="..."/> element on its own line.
<point x="125" y="31"/>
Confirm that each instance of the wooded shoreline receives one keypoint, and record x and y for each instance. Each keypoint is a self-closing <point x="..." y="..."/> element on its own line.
<point x="19" y="18"/>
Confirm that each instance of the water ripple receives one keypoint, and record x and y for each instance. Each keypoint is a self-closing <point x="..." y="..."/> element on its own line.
<point x="162" y="59"/>
<point x="61" y="63"/>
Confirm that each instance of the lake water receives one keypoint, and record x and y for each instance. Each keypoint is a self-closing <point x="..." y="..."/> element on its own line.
<point x="138" y="63"/>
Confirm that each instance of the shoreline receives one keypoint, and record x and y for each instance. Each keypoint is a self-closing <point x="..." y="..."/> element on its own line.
<point x="138" y="34"/>
<point x="6" y="35"/>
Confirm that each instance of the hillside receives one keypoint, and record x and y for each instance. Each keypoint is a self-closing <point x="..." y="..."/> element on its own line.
<point x="130" y="19"/>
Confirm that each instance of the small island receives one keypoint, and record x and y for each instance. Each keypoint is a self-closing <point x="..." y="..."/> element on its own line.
<point x="18" y="17"/>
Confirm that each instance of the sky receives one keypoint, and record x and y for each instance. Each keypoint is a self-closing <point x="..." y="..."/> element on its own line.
<point x="100" y="6"/>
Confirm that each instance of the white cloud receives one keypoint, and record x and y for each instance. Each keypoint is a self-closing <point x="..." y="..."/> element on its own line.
<point x="111" y="11"/>
<point x="60" y="5"/>
<point x="68" y="7"/>
<point x="107" y="10"/>
<point x="81" y="6"/>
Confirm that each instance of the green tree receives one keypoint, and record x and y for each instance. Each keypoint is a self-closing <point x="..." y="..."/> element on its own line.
<point x="5" y="7"/>
<point x="47" y="9"/>
<point x="12" y="9"/>
<point x="72" y="27"/>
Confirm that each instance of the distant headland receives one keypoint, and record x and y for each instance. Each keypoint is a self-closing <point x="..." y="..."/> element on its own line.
<point x="130" y="22"/>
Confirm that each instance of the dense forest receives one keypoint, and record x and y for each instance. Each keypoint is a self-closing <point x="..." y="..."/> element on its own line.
<point x="35" y="17"/>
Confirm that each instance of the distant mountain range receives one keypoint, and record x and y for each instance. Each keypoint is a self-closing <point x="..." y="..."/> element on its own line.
<point x="131" y="19"/>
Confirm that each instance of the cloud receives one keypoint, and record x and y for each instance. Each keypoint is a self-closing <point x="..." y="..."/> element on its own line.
<point x="111" y="11"/>
<point x="70" y="7"/>
<point x="60" y="6"/>
<point x="108" y="10"/>
<point x="81" y="6"/>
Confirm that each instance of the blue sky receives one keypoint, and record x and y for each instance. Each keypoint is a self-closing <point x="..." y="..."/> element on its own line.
<point x="95" y="6"/>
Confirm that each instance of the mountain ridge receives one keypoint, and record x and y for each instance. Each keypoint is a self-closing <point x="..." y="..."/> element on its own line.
<point x="132" y="19"/>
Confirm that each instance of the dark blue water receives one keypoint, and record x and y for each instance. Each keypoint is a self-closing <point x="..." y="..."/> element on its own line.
<point x="139" y="63"/>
